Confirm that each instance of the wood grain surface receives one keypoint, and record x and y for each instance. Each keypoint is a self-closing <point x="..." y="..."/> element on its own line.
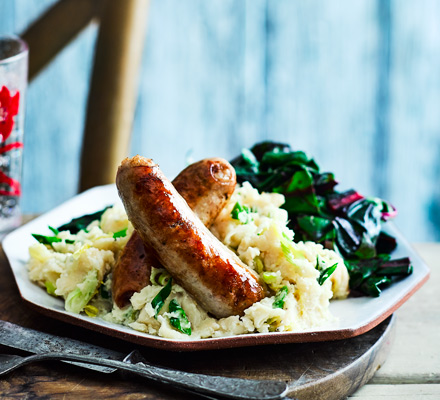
<point x="330" y="370"/>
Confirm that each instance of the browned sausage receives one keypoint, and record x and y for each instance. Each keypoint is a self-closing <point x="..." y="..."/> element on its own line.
<point x="132" y="270"/>
<point x="210" y="272"/>
<point x="206" y="186"/>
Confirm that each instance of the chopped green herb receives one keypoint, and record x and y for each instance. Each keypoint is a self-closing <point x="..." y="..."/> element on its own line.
<point x="91" y="311"/>
<point x="241" y="213"/>
<point x="132" y="315"/>
<point x="258" y="263"/>
<point x="159" y="276"/>
<point x="160" y="298"/>
<point x="280" y="297"/>
<point x="289" y="251"/>
<point x="178" y="318"/>
<point x="163" y="278"/>
<point x="274" y="323"/>
<point x="50" y="288"/>
<point x="269" y="277"/>
<point x="121" y="233"/>
<point x="325" y="273"/>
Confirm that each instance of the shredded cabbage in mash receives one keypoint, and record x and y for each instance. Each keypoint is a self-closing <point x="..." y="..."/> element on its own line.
<point x="301" y="277"/>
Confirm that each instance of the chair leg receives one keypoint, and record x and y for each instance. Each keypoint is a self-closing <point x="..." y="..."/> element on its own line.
<point x="113" y="91"/>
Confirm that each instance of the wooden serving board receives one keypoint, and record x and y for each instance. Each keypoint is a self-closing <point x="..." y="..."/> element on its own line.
<point x="325" y="370"/>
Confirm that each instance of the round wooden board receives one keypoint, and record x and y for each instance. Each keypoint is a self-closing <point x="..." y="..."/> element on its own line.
<point x="323" y="370"/>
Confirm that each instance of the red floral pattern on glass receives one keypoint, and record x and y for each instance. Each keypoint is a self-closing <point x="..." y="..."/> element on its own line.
<point x="8" y="110"/>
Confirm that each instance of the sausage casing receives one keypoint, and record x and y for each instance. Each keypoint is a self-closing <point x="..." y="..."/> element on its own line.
<point x="211" y="273"/>
<point x="206" y="186"/>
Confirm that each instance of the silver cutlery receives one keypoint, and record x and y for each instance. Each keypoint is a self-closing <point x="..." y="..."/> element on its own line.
<point x="51" y="347"/>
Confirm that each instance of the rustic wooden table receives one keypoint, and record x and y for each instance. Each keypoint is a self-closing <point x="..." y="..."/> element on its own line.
<point x="411" y="370"/>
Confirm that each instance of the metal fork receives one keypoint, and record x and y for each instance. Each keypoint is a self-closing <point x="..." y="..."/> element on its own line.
<point x="203" y="385"/>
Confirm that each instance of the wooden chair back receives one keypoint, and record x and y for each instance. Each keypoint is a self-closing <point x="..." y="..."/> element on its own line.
<point x="113" y="90"/>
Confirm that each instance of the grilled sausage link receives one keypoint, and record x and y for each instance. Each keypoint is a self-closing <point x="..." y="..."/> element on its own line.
<point x="199" y="262"/>
<point x="132" y="270"/>
<point x="206" y="186"/>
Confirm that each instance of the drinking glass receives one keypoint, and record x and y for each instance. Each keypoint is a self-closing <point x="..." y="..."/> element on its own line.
<point x="13" y="83"/>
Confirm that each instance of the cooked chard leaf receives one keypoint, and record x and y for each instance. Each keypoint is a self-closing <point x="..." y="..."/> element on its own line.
<point x="250" y="160"/>
<point x="326" y="273"/>
<point x="241" y="213"/>
<point x="324" y="183"/>
<point x="46" y="239"/>
<point x="49" y="240"/>
<point x="260" y="149"/>
<point x="315" y="228"/>
<point x="385" y="243"/>
<point x="337" y="201"/>
<point x="373" y="285"/>
<point x="159" y="299"/>
<point x="370" y="275"/>
<point x="178" y="318"/>
<point x="81" y="223"/>
<point x="121" y="233"/>
<point x="280" y="297"/>
<point x="402" y="266"/>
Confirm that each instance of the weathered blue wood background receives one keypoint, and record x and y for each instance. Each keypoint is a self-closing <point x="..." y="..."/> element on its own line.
<point x="354" y="83"/>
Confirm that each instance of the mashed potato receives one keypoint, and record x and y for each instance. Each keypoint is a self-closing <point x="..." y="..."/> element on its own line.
<point x="75" y="267"/>
<point x="252" y="225"/>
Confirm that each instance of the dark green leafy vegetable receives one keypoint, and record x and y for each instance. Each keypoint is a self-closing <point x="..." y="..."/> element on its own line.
<point x="241" y="213"/>
<point x="46" y="239"/>
<point x="373" y="285"/>
<point x="159" y="299"/>
<point x="280" y="297"/>
<point x="179" y="319"/>
<point x="370" y="275"/>
<point x="344" y="221"/>
<point x="81" y="223"/>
